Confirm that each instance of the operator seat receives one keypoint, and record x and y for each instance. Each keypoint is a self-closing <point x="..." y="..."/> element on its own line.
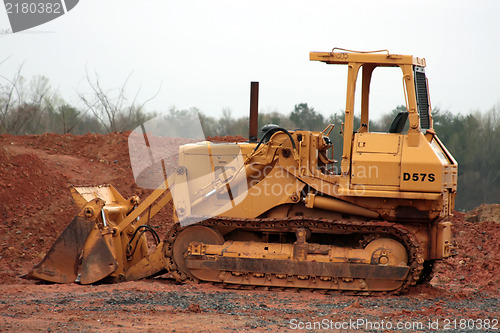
<point x="399" y="122"/>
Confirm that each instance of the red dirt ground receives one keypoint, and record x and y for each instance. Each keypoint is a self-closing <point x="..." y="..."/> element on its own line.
<point x="35" y="206"/>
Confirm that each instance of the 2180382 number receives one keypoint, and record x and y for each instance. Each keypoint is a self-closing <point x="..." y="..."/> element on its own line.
<point x="33" y="8"/>
<point x="470" y="324"/>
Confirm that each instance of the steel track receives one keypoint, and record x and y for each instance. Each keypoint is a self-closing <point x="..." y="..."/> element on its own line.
<point x="290" y="224"/>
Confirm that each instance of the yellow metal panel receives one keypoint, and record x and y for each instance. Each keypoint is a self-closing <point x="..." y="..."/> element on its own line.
<point x="362" y="191"/>
<point x="377" y="143"/>
<point x="344" y="58"/>
<point x="277" y="188"/>
<point x="375" y="169"/>
<point x="376" y="159"/>
<point x="421" y="168"/>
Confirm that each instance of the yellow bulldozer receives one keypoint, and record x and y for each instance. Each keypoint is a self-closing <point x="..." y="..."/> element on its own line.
<point x="276" y="212"/>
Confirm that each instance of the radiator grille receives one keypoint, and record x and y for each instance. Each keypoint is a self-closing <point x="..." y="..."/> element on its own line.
<point x="422" y="98"/>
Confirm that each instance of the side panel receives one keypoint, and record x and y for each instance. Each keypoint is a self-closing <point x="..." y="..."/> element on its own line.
<point x="208" y="165"/>
<point x="421" y="168"/>
<point x="376" y="159"/>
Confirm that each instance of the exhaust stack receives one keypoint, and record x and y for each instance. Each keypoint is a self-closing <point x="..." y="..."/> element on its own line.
<point x="254" y="111"/>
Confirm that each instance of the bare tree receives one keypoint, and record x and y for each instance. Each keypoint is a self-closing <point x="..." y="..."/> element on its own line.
<point x="23" y="104"/>
<point x="9" y="95"/>
<point x="113" y="109"/>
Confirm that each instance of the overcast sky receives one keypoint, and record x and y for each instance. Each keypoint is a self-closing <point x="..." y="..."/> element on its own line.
<point x="205" y="53"/>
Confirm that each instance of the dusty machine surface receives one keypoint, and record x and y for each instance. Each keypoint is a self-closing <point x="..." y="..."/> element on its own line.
<point x="275" y="212"/>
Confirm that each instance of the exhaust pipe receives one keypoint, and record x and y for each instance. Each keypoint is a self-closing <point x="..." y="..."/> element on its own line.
<point x="254" y="111"/>
<point x="336" y="205"/>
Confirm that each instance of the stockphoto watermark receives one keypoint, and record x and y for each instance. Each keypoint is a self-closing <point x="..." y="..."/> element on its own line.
<point x="26" y="14"/>
<point x="364" y="324"/>
<point x="207" y="179"/>
<point x="256" y="173"/>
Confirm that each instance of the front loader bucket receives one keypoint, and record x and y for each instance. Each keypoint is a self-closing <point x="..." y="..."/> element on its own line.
<point x="61" y="264"/>
<point x="84" y="194"/>
<point x="97" y="260"/>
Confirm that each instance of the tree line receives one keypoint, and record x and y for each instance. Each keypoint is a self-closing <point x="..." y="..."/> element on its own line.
<point x="33" y="107"/>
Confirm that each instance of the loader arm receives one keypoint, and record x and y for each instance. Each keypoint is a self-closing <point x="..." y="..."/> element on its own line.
<point x="153" y="203"/>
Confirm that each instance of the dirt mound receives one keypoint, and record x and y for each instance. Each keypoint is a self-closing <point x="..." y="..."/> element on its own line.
<point x="484" y="213"/>
<point x="27" y="185"/>
<point x="236" y="138"/>
<point x="477" y="263"/>
<point x="32" y="200"/>
<point x="35" y="204"/>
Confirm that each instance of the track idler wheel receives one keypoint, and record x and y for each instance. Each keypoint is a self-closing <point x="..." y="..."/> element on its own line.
<point x="386" y="251"/>
<point x="199" y="234"/>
